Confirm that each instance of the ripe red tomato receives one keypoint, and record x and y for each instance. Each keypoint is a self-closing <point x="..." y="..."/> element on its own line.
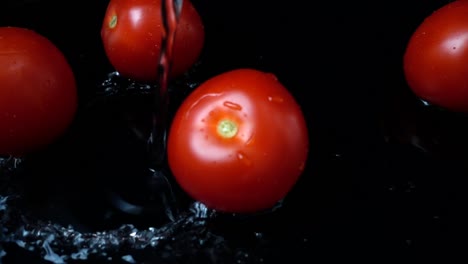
<point x="38" y="97"/>
<point x="239" y="142"/>
<point x="436" y="58"/>
<point x="132" y="33"/>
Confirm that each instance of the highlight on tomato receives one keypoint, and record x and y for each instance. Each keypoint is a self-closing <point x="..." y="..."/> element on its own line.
<point x="436" y="58"/>
<point x="132" y="33"/>
<point x="38" y="97"/>
<point x="239" y="142"/>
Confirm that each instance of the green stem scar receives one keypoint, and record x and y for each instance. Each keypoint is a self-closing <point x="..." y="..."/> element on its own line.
<point x="113" y="21"/>
<point x="227" y="128"/>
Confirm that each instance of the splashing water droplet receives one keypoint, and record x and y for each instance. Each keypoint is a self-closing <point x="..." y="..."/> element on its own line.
<point x="424" y="102"/>
<point x="258" y="235"/>
<point x="232" y="105"/>
<point x="128" y="258"/>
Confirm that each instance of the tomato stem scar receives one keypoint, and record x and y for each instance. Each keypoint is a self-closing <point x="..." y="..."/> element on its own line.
<point x="113" y="21"/>
<point x="227" y="128"/>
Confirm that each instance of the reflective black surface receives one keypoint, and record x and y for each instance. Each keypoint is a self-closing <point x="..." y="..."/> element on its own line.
<point x="385" y="172"/>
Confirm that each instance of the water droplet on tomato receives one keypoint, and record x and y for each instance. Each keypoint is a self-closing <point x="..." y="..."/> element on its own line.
<point x="243" y="158"/>
<point x="275" y="99"/>
<point x="250" y="141"/>
<point x="232" y="105"/>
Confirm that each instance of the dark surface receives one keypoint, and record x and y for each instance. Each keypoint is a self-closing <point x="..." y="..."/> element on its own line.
<point x="385" y="173"/>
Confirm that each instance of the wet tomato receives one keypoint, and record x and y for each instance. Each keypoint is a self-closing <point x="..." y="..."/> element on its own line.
<point x="132" y="33"/>
<point x="436" y="58"/>
<point x="238" y="142"/>
<point x="38" y="97"/>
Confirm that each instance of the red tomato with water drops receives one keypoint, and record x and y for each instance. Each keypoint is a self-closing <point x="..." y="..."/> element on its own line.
<point x="436" y="58"/>
<point x="132" y="33"/>
<point x="38" y="97"/>
<point x="239" y="142"/>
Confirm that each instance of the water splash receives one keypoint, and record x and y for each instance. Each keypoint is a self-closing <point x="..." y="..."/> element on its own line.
<point x="10" y="163"/>
<point x="170" y="11"/>
<point x="58" y="243"/>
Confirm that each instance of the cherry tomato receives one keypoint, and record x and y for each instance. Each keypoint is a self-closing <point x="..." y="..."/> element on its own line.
<point x="238" y="142"/>
<point x="132" y="33"/>
<point x="38" y="97"/>
<point x="436" y="58"/>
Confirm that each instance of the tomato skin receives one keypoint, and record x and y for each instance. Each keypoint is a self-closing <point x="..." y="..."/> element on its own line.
<point x="38" y="97"/>
<point x="133" y="45"/>
<point x="436" y="58"/>
<point x="252" y="170"/>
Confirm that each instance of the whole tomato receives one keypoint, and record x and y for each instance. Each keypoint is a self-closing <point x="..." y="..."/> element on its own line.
<point x="38" y="97"/>
<point x="436" y="57"/>
<point x="239" y="142"/>
<point x="132" y="34"/>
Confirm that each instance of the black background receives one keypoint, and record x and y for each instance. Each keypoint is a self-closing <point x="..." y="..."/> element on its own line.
<point x="368" y="192"/>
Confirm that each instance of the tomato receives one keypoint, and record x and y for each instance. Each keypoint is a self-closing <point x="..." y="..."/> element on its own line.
<point x="436" y="58"/>
<point x="132" y="33"/>
<point x="38" y="97"/>
<point x="239" y="142"/>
